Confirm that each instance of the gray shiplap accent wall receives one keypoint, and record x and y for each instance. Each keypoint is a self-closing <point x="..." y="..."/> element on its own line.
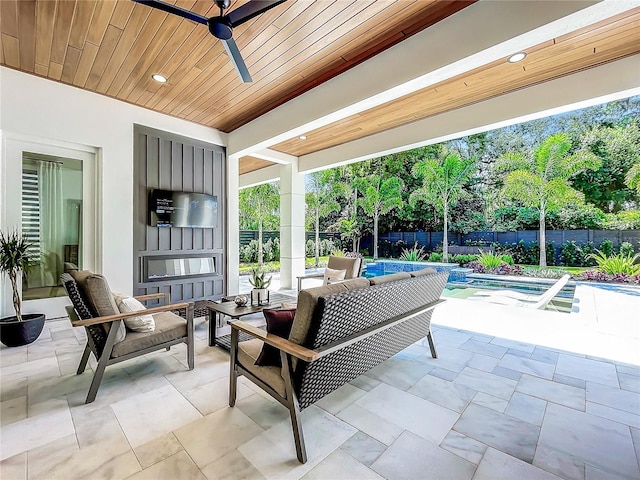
<point x="171" y="162"/>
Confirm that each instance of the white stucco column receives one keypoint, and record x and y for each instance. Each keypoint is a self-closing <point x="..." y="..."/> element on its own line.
<point x="233" y="226"/>
<point x="292" y="229"/>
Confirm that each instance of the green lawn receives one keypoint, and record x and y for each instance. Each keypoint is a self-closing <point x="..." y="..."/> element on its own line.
<point x="245" y="268"/>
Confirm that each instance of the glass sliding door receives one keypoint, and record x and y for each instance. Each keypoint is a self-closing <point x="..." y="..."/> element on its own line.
<point x="52" y="220"/>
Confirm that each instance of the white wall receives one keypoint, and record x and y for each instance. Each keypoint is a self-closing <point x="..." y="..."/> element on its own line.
<point x="47" y="111"/>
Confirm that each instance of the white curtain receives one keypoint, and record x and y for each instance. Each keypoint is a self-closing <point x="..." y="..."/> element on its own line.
<point x="51" y="223"/>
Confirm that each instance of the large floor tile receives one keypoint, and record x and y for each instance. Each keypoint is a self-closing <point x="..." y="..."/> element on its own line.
<point x="426" y="419"/>
<point x="552" y="391"/>
<point x="178" y="465"/>
<point x="400" y="372"/>
<point x="150" y="415"/>
<point x="591" y="439"/>
<point x="157" y="450"/>
<point x="231" y="467"/>
<point x="526" y="365"/>
<point x="451" y="395"/>
<point x="508" y="434"/>
<point x="364" y="448"/>
<point x="463" y="446"/>
<point x="496" y="465"/>
<point x="340" y="466"/>
<point x="273" y="451"/>
<point x="371" y="423"/>
<point x="412" y="457"/>
<point x="35" y="431"/>
<point x="527" y="408"/>
<point x="588" y="369"/>
<point x="340" y="398"/>
<point x="211" y="396"/>
<point x="486" y="382"/>
<point x="559" y="463"/>
<point x="614" y="397"/>
<point x="216" y="435"/>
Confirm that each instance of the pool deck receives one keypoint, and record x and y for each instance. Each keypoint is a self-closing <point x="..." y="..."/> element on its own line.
<point x="604" y="322"/>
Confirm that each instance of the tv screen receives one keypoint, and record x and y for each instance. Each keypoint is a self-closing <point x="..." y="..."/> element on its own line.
<point x="182" y="209"/>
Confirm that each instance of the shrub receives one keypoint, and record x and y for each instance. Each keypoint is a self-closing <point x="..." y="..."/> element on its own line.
<point x="625" y="220"/>
<point x="617" y="264"/>
<point x="310" y="249"/>
<point x="435" y="257"/>
<point x="463" y="260"/>
<point x="544" y="273"/>
<point x="489" y="260"/>
<point x="414" y="254"/>
<point x="626" y="249"/>
<point x="598" y="276"/>
<point x="507" y="259"/>
<point x="606" y="248"/>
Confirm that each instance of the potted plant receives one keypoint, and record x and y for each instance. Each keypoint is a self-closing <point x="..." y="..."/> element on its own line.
<point x="16" y="259"/>
<point x="260" y="284"/>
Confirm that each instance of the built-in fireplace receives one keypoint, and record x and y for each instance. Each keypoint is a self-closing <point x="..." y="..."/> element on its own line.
<point x="167" y="267"/>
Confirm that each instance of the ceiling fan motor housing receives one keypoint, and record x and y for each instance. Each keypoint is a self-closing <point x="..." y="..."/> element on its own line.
<point x="219" y="28"/>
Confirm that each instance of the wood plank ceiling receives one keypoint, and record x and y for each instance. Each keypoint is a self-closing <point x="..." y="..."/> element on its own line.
<point x="113" y="47"/>
<point x="603" y="42"/>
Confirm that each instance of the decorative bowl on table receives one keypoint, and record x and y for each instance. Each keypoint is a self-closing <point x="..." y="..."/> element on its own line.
<point x="241" y="300"/>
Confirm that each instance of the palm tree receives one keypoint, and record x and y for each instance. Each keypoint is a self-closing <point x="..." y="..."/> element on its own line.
<point x="540" y="179"/>
<point x="322" y="192"/>
<point x="443" y="182"/>
<point x="379" y="198"/>
<point x="257" y="204"/>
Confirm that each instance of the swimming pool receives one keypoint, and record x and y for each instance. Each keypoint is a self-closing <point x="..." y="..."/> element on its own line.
<point x="464" y="284"/>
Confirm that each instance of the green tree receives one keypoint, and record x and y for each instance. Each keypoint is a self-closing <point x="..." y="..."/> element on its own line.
<point x="632" y="177"/>
<point x="379" y="197"/>
<point x="443" y="182"/>
<point x="540" y="178"/>
<point x="322" y="191"/>
<point x="258" y="207"/>
<point x="619" y="148"/>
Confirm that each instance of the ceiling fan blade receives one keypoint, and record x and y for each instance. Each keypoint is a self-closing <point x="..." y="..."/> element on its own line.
<point x="237" y="60"/>
<point x="167" y="7"/>
<point x="250" y="10"/>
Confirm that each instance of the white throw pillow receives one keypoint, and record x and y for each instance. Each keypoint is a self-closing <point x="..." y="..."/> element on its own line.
<point x="142" y="323"/>
<point x="333" y="276"/>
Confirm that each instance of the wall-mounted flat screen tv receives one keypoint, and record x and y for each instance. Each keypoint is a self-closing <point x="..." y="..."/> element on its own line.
<point x="169" y="208"/>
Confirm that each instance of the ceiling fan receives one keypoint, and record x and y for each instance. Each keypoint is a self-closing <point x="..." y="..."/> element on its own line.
<point x="222" y="26"/>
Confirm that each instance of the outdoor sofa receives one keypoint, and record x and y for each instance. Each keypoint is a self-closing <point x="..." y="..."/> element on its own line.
<point x="339" y="332"/>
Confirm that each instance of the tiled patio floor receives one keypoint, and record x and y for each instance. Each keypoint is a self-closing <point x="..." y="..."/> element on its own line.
<point x="492" y="406"/>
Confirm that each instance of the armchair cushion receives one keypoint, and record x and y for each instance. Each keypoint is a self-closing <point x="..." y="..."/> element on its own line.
<point x="96" y="290"/>
<point x="169" y="326"/>
<point x="248" y="353"/>
<point x="142" y="323"/>
<point x="279" y="323"/>
<point x="332" y="276"/>
<point x="351" y="265"/>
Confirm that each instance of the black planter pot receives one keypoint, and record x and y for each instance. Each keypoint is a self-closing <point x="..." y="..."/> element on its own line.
<point x="15" y="334"/>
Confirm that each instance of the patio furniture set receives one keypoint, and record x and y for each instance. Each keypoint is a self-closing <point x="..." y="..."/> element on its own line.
<point x="336" y="333"/>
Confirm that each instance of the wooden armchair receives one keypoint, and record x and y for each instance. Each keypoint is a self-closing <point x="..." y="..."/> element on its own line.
<point x="94" y="308"/>
<point x="352" y="267"/>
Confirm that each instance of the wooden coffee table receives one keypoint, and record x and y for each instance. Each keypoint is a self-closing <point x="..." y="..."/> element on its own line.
<point x="217" y="311"/>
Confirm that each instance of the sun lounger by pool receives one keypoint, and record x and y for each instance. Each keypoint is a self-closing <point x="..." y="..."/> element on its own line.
<point x="510" y="297"/>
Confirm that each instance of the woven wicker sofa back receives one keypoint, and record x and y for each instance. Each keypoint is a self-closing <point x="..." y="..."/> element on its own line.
<point x="339" y="315"/>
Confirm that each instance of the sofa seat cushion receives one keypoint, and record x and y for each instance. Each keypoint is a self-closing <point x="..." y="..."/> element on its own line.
<point x="389" y="278"/>
<point x="424" y="271"/>
<point x="248" y="353"/>
<point x="308" y="300"/>
<point x="169" y="326"/>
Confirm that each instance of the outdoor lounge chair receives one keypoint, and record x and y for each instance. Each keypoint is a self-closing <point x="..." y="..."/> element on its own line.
<point x="509" y="297"/>
<point x="95" y="309"/>
<point x="352" y="266"/>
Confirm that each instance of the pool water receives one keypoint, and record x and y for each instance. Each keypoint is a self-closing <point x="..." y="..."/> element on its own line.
<point x="473" y="283"/>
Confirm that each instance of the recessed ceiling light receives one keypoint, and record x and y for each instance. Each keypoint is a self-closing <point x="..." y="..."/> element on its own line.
<point x="302" y="137"/>
<point x="516" y="57"/>
<point x="159" y="78"/>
